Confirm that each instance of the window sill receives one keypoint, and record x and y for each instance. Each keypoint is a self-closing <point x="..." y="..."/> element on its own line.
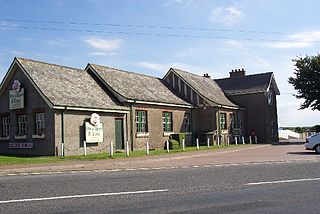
<point x="167" y="134"/>
<point x="142" y="135"/>
<point x="17" y="137"/>
<point x="38" y="136"/>
<point x="5" y="138"/>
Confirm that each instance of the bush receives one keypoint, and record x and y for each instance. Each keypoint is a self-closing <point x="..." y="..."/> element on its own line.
<point x="178" y="137"/>
<point x="173" y="144"/>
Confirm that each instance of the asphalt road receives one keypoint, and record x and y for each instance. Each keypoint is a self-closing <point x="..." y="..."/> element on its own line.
<point x="288" y="187"/>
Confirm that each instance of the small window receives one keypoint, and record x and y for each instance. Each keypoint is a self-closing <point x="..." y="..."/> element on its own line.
<point x="5" y="128"/>
<point x="40" y="123"/>
<point x="223" y="124"/>
<point x="270" y="98"/>
<point x="167" y="121"/>
<point x="21" y="122"/>
<point x="187" y="127"/>
<point x="141" y="121"/>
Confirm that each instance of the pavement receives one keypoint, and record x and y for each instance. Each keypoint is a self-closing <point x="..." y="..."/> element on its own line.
<point x="244" y="154"/>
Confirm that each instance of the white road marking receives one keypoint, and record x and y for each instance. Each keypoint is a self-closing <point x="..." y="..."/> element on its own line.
<point x="282" y="181"/>
<point x="83" y="196"/>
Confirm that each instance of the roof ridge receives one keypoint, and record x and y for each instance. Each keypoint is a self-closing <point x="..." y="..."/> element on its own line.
<point x="121" y="70"/>
<point x="250" y="75"/>
<point x="47" y="63"/>
<point x="189" y="72"/>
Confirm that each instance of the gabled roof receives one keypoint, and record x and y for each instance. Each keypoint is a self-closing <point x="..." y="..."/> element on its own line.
<point x="248" y="84"/>
<point x="63" y="86"/>
<point x="205" y="87"/>
<point x="134" y="87"/>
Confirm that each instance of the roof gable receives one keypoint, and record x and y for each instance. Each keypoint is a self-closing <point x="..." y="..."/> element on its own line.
<point x="67" y="87"/>
<point x="248" y="84"/>
<point x="205" y="87"/>
<point x="129" y="86"/>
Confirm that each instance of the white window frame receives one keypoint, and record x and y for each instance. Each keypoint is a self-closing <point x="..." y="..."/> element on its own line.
<point x="141" y="121"/>
<point x="6" y="125"/>
<point x="167" y="121"/>
<point x="22" y="125"/>
<point x="40" y="123"/>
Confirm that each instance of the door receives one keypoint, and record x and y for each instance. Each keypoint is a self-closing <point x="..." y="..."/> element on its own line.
<point x="119" y="133"/>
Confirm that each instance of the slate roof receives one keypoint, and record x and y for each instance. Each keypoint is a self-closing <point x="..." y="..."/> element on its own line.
<point x="139" y="87"/>
<point x="248" y="84"/>
<point x="65" y="86"/>
<point x="206" y="87"/>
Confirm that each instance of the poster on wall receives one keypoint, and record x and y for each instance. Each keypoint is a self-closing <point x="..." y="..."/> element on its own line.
<point x="94" y="129"/>
<point x="16" y="96"/>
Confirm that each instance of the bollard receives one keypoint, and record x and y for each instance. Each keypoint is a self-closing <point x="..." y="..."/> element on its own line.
<point x="243" y="140"/>
<point x="256" y="139"/>
<point x="250" y="139"/>
<point x="167" y="143"/>
<point x="218" y="141"/>
<point x="183" y="145"/>
<point x="111" y="149"/>
<point x="85" y="148"/>
<point x="236" y="140"/>
<point x="62" y="149"/>
<point x="228" y="141"/>
<point x="147" y="148"/>
<point x="208" y="142"/>
<point x="127" y="149"/>
<point x="197" y="144"/>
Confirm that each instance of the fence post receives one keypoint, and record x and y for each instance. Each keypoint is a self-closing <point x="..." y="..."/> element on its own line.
<point x="256" y="139"/>
<point x="228" y="141"/>
<point x="208" y="142"/>
<point x="236" y="140"/>
<point x="243" y="140"/>
<point x="111" y="149"/>
<point x="167" y="144"/>
<point x="197" y="144"/>
<point x="85" y="148"/>
<point x="183" y="145"/>
<point x="62" y="149"/>
<point x="147" y="148"/>
<point x="127" y="149"/>
<point x="250" y="139"/>
<point x="218" y="141"/>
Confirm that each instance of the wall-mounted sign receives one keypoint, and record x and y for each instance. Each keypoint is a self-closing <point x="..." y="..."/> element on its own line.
<point x="236" y="132"/>
<point x="94" y="129"/>
<point x="20" y="145"/>
<point x="16" y="96"/>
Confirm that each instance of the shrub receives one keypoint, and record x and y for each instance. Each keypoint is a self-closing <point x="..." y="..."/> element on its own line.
<point x="173" y="144"/>
<point x="178" y="137"/>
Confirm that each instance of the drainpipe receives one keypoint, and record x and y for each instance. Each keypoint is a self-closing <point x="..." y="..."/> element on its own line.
<point x="132" y="124"/>
<point x="62" y="133"/>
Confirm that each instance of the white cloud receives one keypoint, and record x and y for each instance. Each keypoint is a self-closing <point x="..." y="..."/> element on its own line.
<point x="298" y="40"/>
<point x="106" y="45"/>
<point x="226" y="15"/>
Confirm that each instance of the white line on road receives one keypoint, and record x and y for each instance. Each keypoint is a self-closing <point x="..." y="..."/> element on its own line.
<point x="282" y="181"/>
<point x="83" y="196"/>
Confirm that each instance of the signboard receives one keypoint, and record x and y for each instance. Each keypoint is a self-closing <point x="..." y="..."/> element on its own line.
<point x="16" y="96"/>
<point x="236" y="132"/>
<point x="94" y="133"/>
<point x="20" y="145"/>
<point x="94" y="129"/>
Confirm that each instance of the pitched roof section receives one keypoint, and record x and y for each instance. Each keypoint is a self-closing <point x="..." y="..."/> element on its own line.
<point x="205" y="87"/>
<point x="248" y="84"/>
<point x="136" y="87"/>
<point x="68" y="87"/>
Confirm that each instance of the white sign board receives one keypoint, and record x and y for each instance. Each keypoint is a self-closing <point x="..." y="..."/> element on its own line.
<point x="16" y="99"/>
<point x="94" y="133"/>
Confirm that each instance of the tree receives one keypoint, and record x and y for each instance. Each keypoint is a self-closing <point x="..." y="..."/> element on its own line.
<point x="307" y="81"/>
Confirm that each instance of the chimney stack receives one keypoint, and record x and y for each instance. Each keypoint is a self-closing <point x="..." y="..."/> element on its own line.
<point x="237" y="73"/>
<point x="206" y="75"/>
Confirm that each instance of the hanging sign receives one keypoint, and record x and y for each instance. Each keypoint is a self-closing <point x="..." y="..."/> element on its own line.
<point x="94" y="129"/>
<point x="16" y="96"/>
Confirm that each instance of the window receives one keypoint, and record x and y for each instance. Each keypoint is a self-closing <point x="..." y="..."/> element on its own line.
<point x="141" y="122"/>
<point x="40" y="123"/>
<point x="187" y="127"/>
<point x="223" y="124"/>
<point x="22" y="121"/>
<point x="233" y="121"/>
<point x="270" y="98"/>
<point x="5" y="129"/>
<point x="167" y="121"/>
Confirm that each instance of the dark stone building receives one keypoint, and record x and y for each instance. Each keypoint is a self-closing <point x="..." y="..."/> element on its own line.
<point x="48" y="109"/>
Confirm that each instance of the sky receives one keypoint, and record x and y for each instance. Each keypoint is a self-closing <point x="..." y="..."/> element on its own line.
<point x="150" y="36"/>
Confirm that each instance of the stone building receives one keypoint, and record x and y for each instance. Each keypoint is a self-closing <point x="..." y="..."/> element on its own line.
<point x="48" y="109"/>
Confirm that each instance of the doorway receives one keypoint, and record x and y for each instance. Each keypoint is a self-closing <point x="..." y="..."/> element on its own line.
<point x="119" y="134"/>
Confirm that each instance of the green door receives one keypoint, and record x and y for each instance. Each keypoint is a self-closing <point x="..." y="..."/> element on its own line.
<point x="119" y="133"/>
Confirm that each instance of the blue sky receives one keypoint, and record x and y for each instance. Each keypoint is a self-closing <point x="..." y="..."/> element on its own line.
<point x="150" y="36"/>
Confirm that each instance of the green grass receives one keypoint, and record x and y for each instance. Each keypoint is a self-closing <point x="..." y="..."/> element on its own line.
<point x="13" y="160"/>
